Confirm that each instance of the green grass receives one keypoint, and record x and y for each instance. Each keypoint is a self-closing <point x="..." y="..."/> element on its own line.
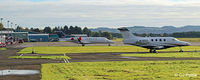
<point x="182" y="39"/>
<point x="117" y="39"/>
<point x="3" y="49"/>
<point x="175" y="55"/>
<point x="96" y="49"/>
<point x="40" y="57"/>
<point x="80" y="49"/>
<point x="124" y="70"/>
<point x="190" y="39"/>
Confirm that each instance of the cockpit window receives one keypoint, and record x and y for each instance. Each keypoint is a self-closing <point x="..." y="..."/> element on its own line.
<point x="175" y="39"/>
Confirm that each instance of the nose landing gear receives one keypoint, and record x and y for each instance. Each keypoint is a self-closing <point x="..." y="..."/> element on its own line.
<point x="180" y="49"/>
<point x="152" y="51"/>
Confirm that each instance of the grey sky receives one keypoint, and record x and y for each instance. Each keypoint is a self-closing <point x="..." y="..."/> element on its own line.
<point x="101" y="13"/>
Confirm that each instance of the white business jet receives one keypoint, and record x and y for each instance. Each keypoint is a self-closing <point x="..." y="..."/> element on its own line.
<point x="92" y="40"/>
<point x="152" y="43"/>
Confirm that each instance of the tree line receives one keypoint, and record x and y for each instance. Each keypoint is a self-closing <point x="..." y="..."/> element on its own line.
<point x="191" y="34"/>
<point x="68" y="30"/>
<point x="78" y="30"/>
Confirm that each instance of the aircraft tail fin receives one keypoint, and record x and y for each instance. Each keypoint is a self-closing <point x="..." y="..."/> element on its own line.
<point x="126" y="34"/>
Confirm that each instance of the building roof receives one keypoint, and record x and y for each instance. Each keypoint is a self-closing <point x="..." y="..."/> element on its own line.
<point x="6" y="32"/>
<point x="37" y="34"/>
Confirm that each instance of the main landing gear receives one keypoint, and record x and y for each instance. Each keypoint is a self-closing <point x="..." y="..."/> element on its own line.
<point x="153" y="51"/>
<point x="83" y="44"/>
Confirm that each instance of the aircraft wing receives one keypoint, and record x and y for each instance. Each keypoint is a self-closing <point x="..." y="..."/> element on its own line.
<point x="158" y="47"/>
<point x="83" y="41"/>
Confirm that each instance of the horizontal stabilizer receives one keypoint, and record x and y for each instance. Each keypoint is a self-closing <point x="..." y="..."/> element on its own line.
<point x="123" y="29"/>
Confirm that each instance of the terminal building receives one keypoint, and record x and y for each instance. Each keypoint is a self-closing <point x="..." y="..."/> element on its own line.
<point x="37" y="37"/>
<point x="19" y="35"/>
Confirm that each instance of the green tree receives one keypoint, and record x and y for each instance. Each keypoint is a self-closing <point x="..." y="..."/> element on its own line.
<point x="19" y="28"/>
<point x="66" y="29"/>
<point x="36" y="30"/>
<point x="95" y="34"/>
<point x="101" y="34"/>
<point x="77" y="30"/>
<point x="26" y="29"/>
<point x="55" y="29"/>
<point x="1" y="26"/>
<point x="87" y="31"/>
<point x="107" y="35"/>
<point x="47" y="30"/>
<point x="71" y="30"/>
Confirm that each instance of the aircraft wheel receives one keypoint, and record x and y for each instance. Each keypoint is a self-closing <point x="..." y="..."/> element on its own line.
<point x="154" y="51"/>
<point x="150" y="51"/>
<point x="109" y="44"/>
<point x="181" y="50"/>
<point x="83" y="44"/>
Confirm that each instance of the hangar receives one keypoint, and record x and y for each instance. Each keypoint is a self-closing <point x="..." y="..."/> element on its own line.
<point x="38" y="37"/>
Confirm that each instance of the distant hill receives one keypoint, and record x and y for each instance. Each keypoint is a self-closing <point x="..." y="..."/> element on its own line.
<point x="156" y="30"/>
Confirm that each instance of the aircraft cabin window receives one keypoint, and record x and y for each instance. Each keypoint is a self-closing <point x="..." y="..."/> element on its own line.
<point x="160" y="39"/>
<point x="156" y="40"/>
<point x="151" y="39"/>
<point x="174" y="39"/>
<point x="164" y="39"/>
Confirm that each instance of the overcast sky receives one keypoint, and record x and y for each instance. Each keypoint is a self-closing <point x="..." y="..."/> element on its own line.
<point x="101" y="13"/>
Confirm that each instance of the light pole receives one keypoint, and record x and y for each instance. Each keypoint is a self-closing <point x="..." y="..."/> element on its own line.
<point x="11" y="24"/>
<point x="15" y="25"/>
<point x="8" y="24"/>
<point x="11" y="29"/>
<point x="8" y="27"/>
<point x="1" y="20"/>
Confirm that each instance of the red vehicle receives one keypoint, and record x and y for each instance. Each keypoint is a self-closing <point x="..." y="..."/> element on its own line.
<point x="21" y="41"/>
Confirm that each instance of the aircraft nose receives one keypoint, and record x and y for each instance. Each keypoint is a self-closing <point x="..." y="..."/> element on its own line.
<point x="110" y="41"/>
<point x="187" y="43"/>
